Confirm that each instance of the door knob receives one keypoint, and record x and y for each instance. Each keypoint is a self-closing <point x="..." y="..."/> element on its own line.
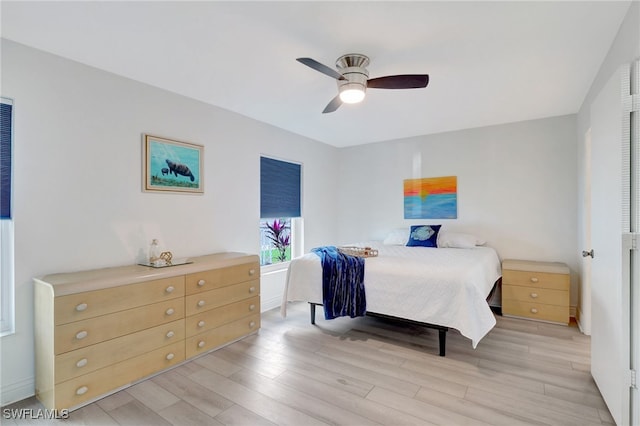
<point x="587" y="253"/>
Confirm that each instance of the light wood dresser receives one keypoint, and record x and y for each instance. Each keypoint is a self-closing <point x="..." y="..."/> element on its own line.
<point x="99" y="331"/>
<point x="536" y="290"/>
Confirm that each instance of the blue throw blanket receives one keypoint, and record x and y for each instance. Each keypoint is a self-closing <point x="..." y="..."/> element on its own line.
<point x="342" y="283"/>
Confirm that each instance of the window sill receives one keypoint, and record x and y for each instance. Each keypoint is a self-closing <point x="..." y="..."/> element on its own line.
<point x="7" y="333"/>
<point x="272" y="269"/>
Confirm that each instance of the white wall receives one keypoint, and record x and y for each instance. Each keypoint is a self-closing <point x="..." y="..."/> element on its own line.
<point x="625" y="49"/>
<point x="78" y="202"/>
<point x="516" y="186"/>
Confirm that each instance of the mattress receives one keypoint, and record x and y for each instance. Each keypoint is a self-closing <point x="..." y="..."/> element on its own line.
<point x="440" y="286"/>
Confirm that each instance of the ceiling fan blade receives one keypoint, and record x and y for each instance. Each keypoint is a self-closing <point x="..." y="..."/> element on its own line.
<point x="405" y="81"/>
<point x="312" y="63"/>
<point x="333" y="105"/>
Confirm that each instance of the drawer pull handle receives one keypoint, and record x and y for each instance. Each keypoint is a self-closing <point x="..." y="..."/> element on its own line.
<point x="81" y="307"/>
<point x="170" y="334"/>
<point x="534" y="295"/>
<point x="252" y="307"/>
<point x="82" y="390"/>
<point x="81" y="335"/>
<point x="201" y="303"/>
<point x="534" y="280"/>
<point x="252" y="289"/>
<point x="252" y="271"/>
<point x="252" y="324"/>
<point x="201" y="344"/>
<point x="534" y="311"/>
<point x="170" y="356"/>
<point x="201" y="283"/>
<point x="81" y="363"/>
<point x="201" y="324"/>
<point x="170" y="289"/>
<point x="169" y="311"/>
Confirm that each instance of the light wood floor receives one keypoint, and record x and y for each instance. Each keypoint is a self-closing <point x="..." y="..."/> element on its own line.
<point x="367" y="371"/>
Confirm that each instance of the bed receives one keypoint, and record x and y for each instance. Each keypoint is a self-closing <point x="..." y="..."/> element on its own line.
<point x="437" y="287"/>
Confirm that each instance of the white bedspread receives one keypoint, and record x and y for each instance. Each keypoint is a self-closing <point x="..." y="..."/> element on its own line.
<point x="441" y="286"/>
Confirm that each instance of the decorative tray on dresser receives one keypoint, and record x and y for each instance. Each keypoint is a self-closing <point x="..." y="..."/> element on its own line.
<point x="99" y="331"/>
<point x="536" y="290"/>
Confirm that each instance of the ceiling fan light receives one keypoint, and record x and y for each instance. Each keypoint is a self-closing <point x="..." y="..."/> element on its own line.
<point x="351" y="93"/>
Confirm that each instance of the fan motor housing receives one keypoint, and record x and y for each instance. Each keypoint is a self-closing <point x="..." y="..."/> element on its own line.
<point x="352" y="67"/>
<point x="352" y="60"/>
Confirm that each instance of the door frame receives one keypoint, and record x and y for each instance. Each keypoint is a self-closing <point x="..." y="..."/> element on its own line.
<point x="584" y="312"/>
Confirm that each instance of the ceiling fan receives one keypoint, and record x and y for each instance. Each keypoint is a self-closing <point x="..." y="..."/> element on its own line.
<point x="353" y="79"/>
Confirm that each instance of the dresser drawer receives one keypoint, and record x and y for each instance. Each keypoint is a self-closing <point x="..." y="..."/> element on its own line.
<point x="534" y="294"/>
<point x="91" y="304"/>
<point x="80" y="389"/>
<point x="535" y="279"/>
<point x="80" y="334"/>
<point x="537" y="311"/>
<point x="85" y="360"/>
<point x="227" y="333"/>
<point x="216" y="317"/>
<point x="212" y="299"/>
<point x="215" y="278"/>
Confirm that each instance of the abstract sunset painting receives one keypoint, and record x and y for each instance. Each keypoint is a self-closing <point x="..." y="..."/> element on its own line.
<point x="431" y="198"/>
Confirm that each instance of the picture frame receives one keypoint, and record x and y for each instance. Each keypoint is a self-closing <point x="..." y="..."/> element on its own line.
<point x="431" y="198"/>
<point x="172" y="166"/>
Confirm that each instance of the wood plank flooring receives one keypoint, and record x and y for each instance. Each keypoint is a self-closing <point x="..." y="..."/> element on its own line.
<point x="366" y="371"/>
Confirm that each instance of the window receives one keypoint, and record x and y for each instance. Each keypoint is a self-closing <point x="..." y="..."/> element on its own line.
<point x="6" y="223"/>
<point x="280" y="213"/>
<point x="275" y="240"/>
<point x="6" y="277"/>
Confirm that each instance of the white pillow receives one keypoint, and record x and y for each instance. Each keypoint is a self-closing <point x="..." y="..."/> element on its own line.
<point x="458" y="240"/>
<point x="397" y="237"/>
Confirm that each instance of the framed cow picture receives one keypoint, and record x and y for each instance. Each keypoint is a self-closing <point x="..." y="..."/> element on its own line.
<point x="172" y="166"/>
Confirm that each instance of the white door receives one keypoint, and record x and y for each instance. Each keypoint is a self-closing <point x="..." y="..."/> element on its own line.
<point x="610" y="308"/>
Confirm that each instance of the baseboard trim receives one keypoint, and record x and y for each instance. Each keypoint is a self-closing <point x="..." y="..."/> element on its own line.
<point x="14" y="392"/>
<point x="581" y="326"/>
<point x="272" y="303"/>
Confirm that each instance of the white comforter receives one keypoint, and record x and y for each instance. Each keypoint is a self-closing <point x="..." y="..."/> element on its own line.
<point x="441" y="286"/>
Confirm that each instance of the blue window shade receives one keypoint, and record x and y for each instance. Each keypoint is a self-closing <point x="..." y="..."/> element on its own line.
<point x="279" y="188"/>
<point x="5" y="159"/>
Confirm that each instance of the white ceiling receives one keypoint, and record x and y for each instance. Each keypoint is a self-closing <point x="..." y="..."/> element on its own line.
<point x="489" y="62"/>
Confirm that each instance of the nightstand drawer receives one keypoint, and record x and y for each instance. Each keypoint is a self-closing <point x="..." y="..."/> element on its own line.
<point x="537" y="311"/>
<point x="535" y="295"/>
<point x="535" y="279"/>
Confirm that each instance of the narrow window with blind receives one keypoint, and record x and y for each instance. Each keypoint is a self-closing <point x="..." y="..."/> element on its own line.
<point x="280" y="212"/>
<point x="6" y="222"/>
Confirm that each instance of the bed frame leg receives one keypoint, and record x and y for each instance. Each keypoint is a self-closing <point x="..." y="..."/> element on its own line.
<point x="442" y="331"/>
<point x="442" y="336"/>
<point x="312" y="308"/>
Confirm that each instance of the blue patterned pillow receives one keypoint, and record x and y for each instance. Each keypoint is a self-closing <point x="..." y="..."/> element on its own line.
<point x="423" y="236"/>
